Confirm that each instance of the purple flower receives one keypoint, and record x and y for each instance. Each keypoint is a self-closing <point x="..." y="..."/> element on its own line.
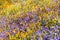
<point x="38" y="32"/>
<point x="36" y="20"/>
<point x="51" y="39"/>
<point x="51" y="29"/>
<point x="56" y="26"/>
<point x="58" y="11"/>
<point x="35" y="16"/>
<point x="48" y="9"/>
<point x="3" y="22"/>
<point x="59" y="37"/>
<point x="54" y="0"/>
<point x="9" y="30"/>
<point x="3" y="34"/>
<point x="45" y="38"/>
<point x="26" y="18"/>
<point x="12" y="26"/>
<point x="29" y="13"/>
<point x="44" y="28"/>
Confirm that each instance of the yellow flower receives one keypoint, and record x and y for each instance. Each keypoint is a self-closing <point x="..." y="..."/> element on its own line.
<point x="31" y="31"/>
<point x="26" y="33"/>
<point x="54" y="20"/>
<point x="25" y="8"/>
<point x="18" y="33"/>
<point x="45" y="15"/>
<point x="28" y="2"/>
<point x="22" y="34"/>
<point x="58" y="20"/>
<point x="12" y="37"/>
<point x="48" y="1"/>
